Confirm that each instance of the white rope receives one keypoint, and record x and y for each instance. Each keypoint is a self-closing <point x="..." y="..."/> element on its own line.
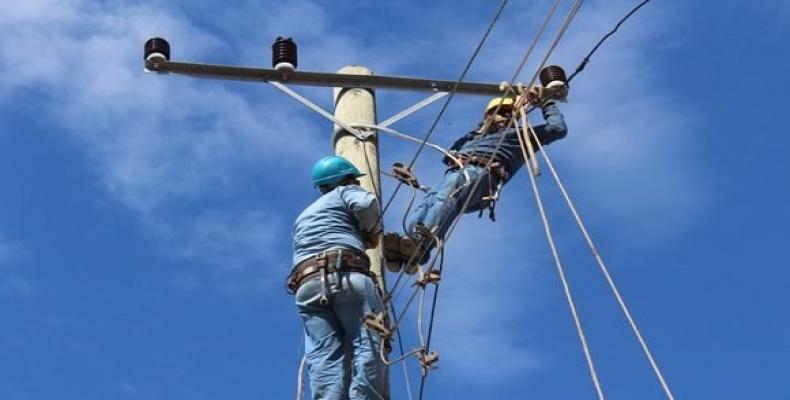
<point x="603" y="268"/>
<point x="561" y="271"/>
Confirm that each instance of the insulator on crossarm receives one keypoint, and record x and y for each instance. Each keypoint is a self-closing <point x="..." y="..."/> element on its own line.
<point x="552" y="76"/>
<point x="284" y="54"/>
<point x="157" y="47"/>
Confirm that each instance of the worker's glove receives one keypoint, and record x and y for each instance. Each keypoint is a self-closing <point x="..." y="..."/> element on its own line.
<point x="371" y="239"/>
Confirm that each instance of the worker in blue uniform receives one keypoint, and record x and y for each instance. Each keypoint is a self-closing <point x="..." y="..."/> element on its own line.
<point x="429" y="221"/>
<point x="334" y="287"/>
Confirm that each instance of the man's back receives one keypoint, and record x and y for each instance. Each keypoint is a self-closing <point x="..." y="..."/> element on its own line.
<point x="333" y="221"/>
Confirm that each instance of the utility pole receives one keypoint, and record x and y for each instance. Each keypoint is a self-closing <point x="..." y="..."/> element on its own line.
<point x="355" y="105"/>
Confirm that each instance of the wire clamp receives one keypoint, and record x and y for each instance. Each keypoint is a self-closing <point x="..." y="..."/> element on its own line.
<point x="429" y="277"/>
<point x="405" y="175"/>
<point x="379" y="323"/>
<point x="427" y="360"/>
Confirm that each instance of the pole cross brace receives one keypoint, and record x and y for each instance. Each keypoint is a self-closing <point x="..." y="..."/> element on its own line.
<point x="427" y="360"/>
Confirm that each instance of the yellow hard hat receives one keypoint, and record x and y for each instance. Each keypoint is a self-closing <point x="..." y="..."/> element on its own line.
<point x="501" y="102"/>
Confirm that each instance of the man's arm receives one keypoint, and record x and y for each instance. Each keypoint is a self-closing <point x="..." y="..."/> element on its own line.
<point x="365" y="208"/>
<point x="554" y="128"/>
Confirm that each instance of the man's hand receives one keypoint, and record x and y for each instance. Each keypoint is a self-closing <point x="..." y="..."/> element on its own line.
<point x="371" y="239"/>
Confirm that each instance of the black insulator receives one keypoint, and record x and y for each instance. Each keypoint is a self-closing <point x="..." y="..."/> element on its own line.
<point x="552" y="73"/>
<point x="283" y="51"/>
<point x="157" y="46"/>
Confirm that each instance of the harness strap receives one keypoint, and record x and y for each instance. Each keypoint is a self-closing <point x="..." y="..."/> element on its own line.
<point x="497" y="174"/>
<point x="327" y="263"/>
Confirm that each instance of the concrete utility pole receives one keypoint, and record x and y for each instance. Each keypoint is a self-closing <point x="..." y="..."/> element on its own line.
<point x="354" y="105"/>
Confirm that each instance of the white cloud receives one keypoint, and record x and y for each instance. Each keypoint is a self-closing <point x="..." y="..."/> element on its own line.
<point x="628" y="161"/>
<point x="158" y="144"/>
<point x="12" y="282"/>
<point x="162" y="146"/>
<point x="246" y="247"/>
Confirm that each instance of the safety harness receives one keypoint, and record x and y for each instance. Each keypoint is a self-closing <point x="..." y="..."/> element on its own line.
<point x="325" y="263"/>
<point x="497" y="176"/>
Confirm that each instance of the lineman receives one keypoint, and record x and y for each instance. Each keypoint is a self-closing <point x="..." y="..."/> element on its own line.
<point x="334" y="286"/>
<point x="430" y="220"/>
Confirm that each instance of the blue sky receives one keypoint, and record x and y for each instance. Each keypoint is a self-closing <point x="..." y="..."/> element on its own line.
<point x="145" y="220"/>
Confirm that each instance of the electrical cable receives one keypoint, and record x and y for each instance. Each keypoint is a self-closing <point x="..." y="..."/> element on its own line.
<point x="604" y="269"/>
<point x="559" y="36"/>
<point x="449" y="98"/>
<point x="560" y="269"/>
<point x="586" y="59"/>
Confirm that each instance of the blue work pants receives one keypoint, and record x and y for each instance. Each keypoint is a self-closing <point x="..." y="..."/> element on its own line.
<point x="336" y="338"/>
<point x="444" y="202"/>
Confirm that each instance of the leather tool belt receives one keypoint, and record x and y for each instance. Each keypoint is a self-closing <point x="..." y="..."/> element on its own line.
<point x="495" y="167"/>
<point x="350" y="261"/>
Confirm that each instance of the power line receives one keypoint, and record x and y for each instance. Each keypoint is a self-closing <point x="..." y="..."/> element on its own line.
<point x="559" y="36"/>
<point x="586" y="59"/>
<point x="447" y="102"/>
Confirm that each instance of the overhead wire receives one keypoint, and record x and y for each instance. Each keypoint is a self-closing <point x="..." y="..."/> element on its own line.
<point x="496" y="150"/>
<point x="440" y="249"/>
<point x="566" y="287"/>
<point x="586" y="59"/>
<point x="441" y="113"/>
<point x="559" y="36"/>
<point x="509" y="89"/>
<point x="558" y="263"/>
<point x="604" y="269"/>
<point x="449" y="98"/>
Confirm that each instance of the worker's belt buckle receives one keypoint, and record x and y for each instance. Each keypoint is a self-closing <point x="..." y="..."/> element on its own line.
<point x="350" y="261"/>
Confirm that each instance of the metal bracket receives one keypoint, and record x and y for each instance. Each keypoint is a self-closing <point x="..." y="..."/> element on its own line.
<point x="309" y="104"/>
<point x="378" y="323"/>
<point x="428" y="277"/>
<point x="424" y="232"/>
<point x="416" y="107"/>
<point x="405" y="175"/>
<point x="427" y="360"/>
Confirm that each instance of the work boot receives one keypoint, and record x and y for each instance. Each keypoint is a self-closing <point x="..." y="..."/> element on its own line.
<point x="390" y="244"/>
<point x="399" y="251"/>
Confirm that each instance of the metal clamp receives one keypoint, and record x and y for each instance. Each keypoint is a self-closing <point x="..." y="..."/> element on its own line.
<point x="427" y="360"/>
<point x="428" y="277"/>
<point x="405" y="175"/>
<point x="378" y="323"/>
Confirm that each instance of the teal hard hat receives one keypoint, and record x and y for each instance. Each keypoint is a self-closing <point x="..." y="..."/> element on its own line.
<point x="331" y="170"/>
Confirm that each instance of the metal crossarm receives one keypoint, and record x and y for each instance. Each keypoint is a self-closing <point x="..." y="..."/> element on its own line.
<point x="323" y="79"/>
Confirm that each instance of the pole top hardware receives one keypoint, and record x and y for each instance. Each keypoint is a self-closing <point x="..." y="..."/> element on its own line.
<point x="284" y="54"/>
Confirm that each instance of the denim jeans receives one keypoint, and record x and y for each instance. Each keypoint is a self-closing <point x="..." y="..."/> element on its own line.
<point x="442" y="205"/>
<point x="336" y="339"/>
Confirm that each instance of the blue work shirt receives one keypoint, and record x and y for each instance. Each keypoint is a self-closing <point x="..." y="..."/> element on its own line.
<point x="475" y="143"/>
<point x="335" y="221"/>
